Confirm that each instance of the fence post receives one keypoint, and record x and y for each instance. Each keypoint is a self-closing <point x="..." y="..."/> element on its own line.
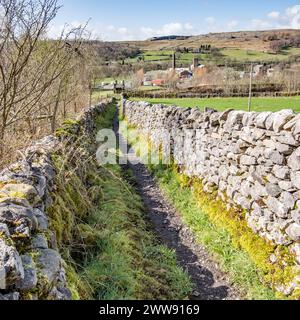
<point x="250" y="89"/>
<point x="122" y="107"/>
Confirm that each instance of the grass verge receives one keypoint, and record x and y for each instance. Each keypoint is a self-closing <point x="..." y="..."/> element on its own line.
<point x="98" y="218"/>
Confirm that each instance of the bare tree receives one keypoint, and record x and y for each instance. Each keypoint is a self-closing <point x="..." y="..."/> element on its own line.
<point x="171" y="79"/>
<point x="138" y="78"/>
<point x="38" y="75"/>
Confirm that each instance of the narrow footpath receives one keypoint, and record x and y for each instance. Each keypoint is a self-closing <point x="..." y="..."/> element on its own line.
<point x="210" y="283"/>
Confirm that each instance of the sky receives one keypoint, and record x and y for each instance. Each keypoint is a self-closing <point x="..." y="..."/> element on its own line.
<point x="118" y="20"/>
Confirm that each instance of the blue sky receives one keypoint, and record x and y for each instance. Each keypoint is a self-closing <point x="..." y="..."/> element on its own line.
<point x="139" y="19"/>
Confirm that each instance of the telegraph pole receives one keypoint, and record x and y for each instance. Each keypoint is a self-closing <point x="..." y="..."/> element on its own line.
<point x="250" y="89"/>
<point x="174" y="61"/>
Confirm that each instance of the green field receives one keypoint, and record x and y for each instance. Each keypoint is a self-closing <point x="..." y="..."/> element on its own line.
<point x="97" y="96"/>
<point x="221" y="104"/>
<point x="110" y="79"/>
<point x="226" y="54"/>
<point x="166" y="56"/>
<point x="150" y="88"/>
<point x="244" y="55"/>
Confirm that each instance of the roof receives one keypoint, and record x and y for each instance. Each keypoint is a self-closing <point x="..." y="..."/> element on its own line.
<point x="185" y="72"/>
<point x="182" y="69"/>
<point x="158" y="81"/>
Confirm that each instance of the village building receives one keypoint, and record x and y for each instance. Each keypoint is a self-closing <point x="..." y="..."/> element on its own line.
<point x="260" y="70"/>
<point x="195" y="64"/>
<point x="158" y="82"/>
<point x="185" y="74"/>
<point x="147" y="82"/>
<point x="182" y="73"/>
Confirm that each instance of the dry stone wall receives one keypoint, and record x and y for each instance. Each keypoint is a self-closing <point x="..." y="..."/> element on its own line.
<point x="251" y="159"/>
<point x="30" y="262"/>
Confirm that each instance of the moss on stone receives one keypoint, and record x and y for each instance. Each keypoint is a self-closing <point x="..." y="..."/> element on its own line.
<point x="258" y="249"/>
<point x="69" y="128"/>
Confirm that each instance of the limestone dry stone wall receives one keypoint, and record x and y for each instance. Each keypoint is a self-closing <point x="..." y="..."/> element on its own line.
<point x="30" y="262"/>
<point x="251" y="159"/>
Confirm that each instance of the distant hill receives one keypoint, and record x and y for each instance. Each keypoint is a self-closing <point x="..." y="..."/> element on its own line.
<point x="247" y="40"/>
<point x="269" y="46"/>
<point x="169" y="38"/>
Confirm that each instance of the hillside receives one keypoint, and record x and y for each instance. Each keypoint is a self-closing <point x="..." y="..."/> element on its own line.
<point x="248" y="40"/>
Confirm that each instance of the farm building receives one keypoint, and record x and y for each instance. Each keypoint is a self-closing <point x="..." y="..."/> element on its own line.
<point x="158" y="82"/>
<point x="195" y="64"/>
<point x="185" y="74"/>
<point x="262" y="70"/>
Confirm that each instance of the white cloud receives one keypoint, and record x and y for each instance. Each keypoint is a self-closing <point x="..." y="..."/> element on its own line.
<point x="188" y="26"/>
<point x="112" y="33"/>
<point x="293" y="16"/>
<point x="295" y="23"/>
<point x="111" y="28"/>
<point x="123" y="30"/>
<point x="55" y="31"/>
<point x="292" y="11"/>
<point x="173" y="28"/>
<point x="210" y="20"/>
<point x="274" y="15"/>
<point x="148" y="32"/>
<point x="289" y="18"/>
<point x="232" y="24"/>
<point x="258" y="24"/>
<point x="286" y="19"/>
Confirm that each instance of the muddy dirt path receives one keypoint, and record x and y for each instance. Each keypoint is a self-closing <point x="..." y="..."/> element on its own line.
<point x="210" y="283"/>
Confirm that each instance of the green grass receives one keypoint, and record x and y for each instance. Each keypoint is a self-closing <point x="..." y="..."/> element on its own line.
<point x="128" y="262"/>
<point x="109" y="80"/>
<point x="149" y="56"/>
<point x="166" y="56"/>
<point x="157" y="58"/>
<point x="98" y="95"/>
<point x="159" y="53"/>
<point x="110" y="250"/>
<point x="131" y="60"/>
<point x="218" y="241"/>
<point x="236" y="262"/>
<point x="248" y="55"/>
<point x="240" y="55"/>
<point x="221" y="104"/>
<point x="150" y="88"/>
